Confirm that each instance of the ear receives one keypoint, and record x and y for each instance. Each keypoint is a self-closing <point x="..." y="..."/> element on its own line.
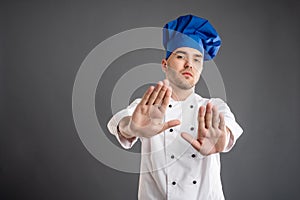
<point x="164" y="65"/>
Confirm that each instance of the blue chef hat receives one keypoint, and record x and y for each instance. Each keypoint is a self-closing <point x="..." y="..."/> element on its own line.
<point x="191" y="31"/>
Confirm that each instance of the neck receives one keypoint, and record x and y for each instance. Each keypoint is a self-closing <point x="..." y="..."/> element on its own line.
<point x="179" y="94"/>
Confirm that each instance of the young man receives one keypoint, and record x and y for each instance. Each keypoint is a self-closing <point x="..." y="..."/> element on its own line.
<point x="182" y="133"/>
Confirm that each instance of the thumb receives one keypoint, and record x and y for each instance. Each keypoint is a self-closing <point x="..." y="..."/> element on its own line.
<point x="170" y="124"/>
<point x="189" y="138"/>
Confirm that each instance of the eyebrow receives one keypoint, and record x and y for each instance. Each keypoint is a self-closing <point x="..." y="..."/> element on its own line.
<point x="185" y="53"/>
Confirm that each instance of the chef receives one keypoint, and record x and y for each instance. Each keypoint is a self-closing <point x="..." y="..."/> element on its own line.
<point x="182" y="133"/>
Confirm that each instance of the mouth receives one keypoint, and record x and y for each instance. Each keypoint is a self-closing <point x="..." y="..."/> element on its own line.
<point x="187" y="74"/>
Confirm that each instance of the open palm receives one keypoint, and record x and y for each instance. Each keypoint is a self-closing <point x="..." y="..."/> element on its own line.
<point x="147" y="118"/>
<point x="212" y="131"/>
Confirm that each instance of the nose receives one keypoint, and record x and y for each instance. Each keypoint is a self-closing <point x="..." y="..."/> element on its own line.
<point x="188" y="64"/>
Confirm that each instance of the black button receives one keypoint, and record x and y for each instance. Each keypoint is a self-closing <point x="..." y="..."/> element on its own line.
<point x="192" y="128"/>
<point x="173" y="183"/>
<point x="191" y="106"/>
<point x="172" y="156"/>
<point x="193" y="155"/>
<point x="171" y="130"/>
<point x="170" y="106"/>
<point x="194" y="182"/>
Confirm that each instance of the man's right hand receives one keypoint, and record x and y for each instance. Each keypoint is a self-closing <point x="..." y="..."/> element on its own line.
<point x="147" y="119"/>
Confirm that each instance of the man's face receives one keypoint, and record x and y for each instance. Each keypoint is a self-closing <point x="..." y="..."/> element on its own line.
<point x="183" y="67"/>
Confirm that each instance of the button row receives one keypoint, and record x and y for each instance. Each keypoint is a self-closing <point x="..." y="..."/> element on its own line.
<point x="193" y="156"/>
<point x="174" y="182"/>
<point x="191" y="106"/>
<point x="171" y="130"/>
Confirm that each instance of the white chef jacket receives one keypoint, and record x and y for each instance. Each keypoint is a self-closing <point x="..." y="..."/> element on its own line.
<point x="170" y="167"/>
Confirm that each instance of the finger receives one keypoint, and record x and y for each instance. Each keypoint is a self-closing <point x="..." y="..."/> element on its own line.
<point x="222" y="122"/>
<point x="201" y="121"/>
<point x="166" y="82"/>
<point x="215" y="117"/>
<point x="208" y="115"/>
<point x="166" y="99"/>
<point x="146" y="96"/>
<point x="161" y="95"/>
<point x="155" y="92"/>
<point x="170" y="124"/>
<point x="189" y="138"/>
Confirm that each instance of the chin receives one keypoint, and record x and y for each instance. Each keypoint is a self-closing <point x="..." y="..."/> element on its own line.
<point x="185" y="86"/>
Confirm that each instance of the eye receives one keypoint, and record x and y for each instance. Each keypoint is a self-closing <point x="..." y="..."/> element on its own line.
<point x="180" y="56"/>
<point x="197" y="60"/>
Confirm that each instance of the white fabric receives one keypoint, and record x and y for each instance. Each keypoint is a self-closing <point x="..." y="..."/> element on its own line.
<point x="170" y="167"/>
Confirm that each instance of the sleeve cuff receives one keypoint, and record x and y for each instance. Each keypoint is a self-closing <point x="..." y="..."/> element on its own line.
<point x="236" y="132"/>
<point x="114" y="121"/>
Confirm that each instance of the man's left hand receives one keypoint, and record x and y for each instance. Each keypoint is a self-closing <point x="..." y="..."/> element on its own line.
<point x="212" y="132"/>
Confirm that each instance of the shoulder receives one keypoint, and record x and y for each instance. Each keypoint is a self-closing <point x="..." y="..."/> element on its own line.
<point x="220" y="103"/>
<point x="204" y="100"/>
<point x="134" y="103"/>
<point x="217" y="101"/>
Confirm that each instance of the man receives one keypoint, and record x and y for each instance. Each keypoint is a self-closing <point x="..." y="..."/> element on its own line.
<point x="182" y="133"/>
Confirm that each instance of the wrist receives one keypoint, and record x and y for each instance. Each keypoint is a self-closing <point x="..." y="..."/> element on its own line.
<point x="123" y="129"/>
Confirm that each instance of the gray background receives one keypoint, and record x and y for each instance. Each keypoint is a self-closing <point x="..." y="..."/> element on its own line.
<point x="43" y="44"/>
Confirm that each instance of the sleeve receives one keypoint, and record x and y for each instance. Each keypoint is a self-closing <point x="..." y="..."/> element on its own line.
<point x="114" y="121"/>
<point x="230" y="122"/>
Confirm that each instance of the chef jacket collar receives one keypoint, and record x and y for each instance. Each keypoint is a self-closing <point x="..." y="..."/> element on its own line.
<point x="188" y="99"/>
